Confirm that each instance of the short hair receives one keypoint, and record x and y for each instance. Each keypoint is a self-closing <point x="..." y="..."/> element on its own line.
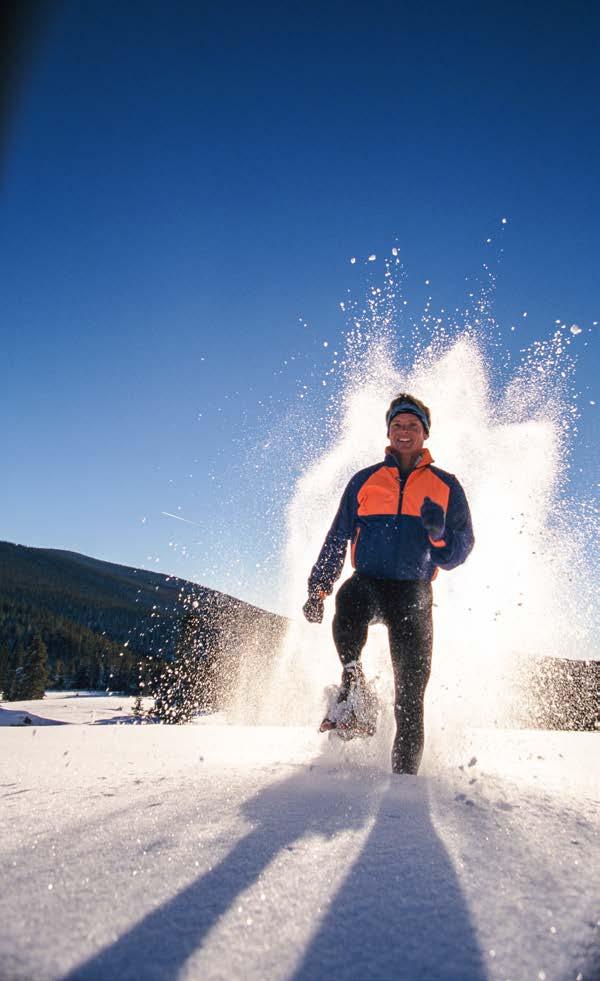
<point x="412" y="400"/>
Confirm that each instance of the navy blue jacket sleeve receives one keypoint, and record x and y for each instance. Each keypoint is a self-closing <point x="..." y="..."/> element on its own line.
<point x="458" y="535"/>
<point x="328" y="567"/>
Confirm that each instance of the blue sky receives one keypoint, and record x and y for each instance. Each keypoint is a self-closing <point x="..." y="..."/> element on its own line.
<point x="183" y="188"/>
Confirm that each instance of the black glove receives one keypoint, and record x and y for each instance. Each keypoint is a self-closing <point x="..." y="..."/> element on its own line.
<point x="433" y="518"/>
<point x="314" y="607"/>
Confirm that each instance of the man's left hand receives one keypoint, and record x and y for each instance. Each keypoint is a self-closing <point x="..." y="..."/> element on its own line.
<point x="433" y="517"/>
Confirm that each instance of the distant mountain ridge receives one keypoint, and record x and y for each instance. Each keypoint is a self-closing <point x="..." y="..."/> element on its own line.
<point x="88" y="610"/>
<point x="45" y="573"/>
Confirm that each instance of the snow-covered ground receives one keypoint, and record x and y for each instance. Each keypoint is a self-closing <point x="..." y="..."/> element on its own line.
<point x="214" y="851"/>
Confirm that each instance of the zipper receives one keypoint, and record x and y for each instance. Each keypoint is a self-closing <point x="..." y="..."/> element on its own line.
<point x="403" y="481"/>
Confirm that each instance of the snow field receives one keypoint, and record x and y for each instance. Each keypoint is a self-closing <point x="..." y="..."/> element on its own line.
<point x="214" y="851"/>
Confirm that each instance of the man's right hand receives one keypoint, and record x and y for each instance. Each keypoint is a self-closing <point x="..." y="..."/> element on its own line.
<point x="314" y="607"/>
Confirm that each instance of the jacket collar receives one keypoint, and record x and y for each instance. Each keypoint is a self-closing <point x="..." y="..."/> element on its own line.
<point x="423" y="461"/>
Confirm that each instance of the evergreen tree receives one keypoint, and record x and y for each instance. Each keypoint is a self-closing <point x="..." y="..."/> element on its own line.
<point x="178" y="685"/>
<point x="138" y="709"/>
<point x="14" y="670"/>
<point x="31" y="676"/>
<point x="38" y="661"/>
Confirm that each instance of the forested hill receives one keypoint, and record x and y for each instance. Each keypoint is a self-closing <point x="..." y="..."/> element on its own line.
<point x="98" y="619"/>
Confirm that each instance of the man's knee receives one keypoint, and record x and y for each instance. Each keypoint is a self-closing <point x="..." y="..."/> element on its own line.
<point x="353" y="600"/>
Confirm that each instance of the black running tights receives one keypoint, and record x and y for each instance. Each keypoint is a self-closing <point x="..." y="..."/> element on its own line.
<point x="405" y="609"/>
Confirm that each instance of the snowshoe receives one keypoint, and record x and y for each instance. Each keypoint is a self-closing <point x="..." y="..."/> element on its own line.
<point x="353" y="707"/>
<point x="349" y="727"/>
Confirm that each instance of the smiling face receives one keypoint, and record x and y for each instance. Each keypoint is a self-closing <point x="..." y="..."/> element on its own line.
<point x="407" y="434"/>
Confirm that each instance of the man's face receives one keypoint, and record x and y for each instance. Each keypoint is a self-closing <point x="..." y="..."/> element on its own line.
<point x="407" y="433"/>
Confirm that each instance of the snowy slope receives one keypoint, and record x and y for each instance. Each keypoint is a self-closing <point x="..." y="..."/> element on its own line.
<point x="216" y="851"/>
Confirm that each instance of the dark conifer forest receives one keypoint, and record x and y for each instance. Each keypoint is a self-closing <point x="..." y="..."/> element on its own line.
<point x="104" y="627"/>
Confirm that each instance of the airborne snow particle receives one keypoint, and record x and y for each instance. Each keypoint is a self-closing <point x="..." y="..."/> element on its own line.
<point x="372" y="258"/>
<point x="575" y="329"/>
<point x="394" y="251"/>
<point x="353" y="259"/>
<point x="504" y="220"/>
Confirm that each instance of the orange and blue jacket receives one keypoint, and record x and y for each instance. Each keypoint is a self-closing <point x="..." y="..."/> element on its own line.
<point x="380" y="515"/>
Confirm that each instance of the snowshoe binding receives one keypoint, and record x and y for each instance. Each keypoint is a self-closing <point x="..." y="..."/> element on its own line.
<point x="353" y="707"/>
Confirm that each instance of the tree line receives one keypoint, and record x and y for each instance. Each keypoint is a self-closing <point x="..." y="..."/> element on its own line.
<point x="76" y="657"/>
<point x="40" y="649"/>
<point x="106" y="630"/>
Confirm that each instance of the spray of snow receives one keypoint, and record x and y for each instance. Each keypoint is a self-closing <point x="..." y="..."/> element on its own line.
<point x="525" y="590"/>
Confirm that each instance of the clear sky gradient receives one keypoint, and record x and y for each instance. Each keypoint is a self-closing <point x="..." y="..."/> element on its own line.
<point x="183" y="187"/>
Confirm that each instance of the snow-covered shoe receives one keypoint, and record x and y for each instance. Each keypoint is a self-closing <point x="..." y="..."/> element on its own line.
<point x="352" y="727"/>
<point x="353" y="707"/>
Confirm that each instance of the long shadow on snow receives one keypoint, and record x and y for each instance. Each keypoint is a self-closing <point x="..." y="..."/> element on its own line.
<point x="160" y="944"/>
<point x="400" y="913"/>
<point x="402" y="866"/>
